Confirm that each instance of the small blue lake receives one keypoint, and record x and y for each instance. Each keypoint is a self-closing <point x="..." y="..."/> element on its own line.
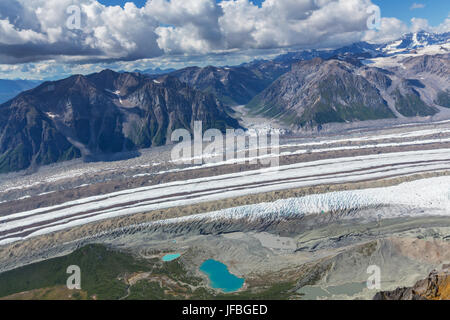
<point x="220" y="277"/>
<point x="171" y="257"/>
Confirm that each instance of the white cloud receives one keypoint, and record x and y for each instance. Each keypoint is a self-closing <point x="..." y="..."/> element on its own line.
<point x="9" y="35"/>
<point x="193" y="25"/>
<point x="393" y="28"/>
<point x="305" y="23"/>
<point x="419" y="24"/>
<point x="390" y="29"/>
<point x="173" y="27"/>
<point x="106" y="32"/>
<point x="34" y="31"/>
<point x="444" y="26"/>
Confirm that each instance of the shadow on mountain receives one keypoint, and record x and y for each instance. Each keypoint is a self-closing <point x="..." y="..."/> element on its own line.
<point x="111" y="157"/>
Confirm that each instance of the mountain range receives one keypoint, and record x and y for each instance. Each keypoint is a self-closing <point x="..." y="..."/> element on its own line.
<point x="320" y="91"/>
<point x="413" y="41"/>
<point x="231" y="85"/>
<point x="107" y="113"/>
<point x="155" y="71"/>
<point x="11" y="88"/>
<point x="102" y="113"/>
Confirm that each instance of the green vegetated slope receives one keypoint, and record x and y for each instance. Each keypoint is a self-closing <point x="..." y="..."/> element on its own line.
<point x="100" y="271"/>
<point x="410" y="105"/>
<point x="443" y="99"/>
<point x="108" y="274"/>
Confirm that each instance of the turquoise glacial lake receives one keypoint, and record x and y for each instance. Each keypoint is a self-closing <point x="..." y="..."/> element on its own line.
<point x="220" y="277"/>
<point x="171" y="257"/>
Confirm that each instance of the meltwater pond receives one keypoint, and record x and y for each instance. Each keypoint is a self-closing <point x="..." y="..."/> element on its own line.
<point x="171" y="257"/>
<point x="220" y="277"/>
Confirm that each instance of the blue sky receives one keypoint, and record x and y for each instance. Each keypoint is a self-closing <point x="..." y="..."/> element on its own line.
<point x="435" y="11"/>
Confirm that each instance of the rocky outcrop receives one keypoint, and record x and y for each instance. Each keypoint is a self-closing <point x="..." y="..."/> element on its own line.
<point x="438" y="65"/>
<point x="232" y="86"/>
<point x="321" y="91"/>
<point x="435" y="287"/>
<point x="318" y="91"/>
<point x="103" y="113"/>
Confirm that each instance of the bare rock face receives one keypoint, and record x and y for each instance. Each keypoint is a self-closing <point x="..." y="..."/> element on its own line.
<point x="232" y="86"/>
<point x="435" y="287"/>
<point x="321" y="91"/>
<point x="434" y="70"/>
<point x="318" y="91"/>
<point x="438" y="65"/>
<point x="103" y="113"/>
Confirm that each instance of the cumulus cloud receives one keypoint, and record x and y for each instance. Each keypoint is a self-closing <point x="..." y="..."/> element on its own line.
<point x="393" y="28"/>
<point x="35" y="31"/>
<point x="193" y="25"/>
<point x="239" y="24"/>
<point x="419" y="24"/>
<point x="444" y="26"/>
<point x="390" y="29"/>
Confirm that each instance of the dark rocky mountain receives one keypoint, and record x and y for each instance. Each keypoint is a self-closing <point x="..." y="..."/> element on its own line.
<point x="429" y="74"/>
<point x="11" y="88"/>
<point x="155" y="71"/>
<point x="359" y="50"/>
<point x="435" y="287"/>
<point x="443" y="99"/>
<point x="320" y="91"/>
<point x="232" y="85"/>
<point x="438" y="65"/>
<point x="269" y="69"/>
<point x="103" y="113"/>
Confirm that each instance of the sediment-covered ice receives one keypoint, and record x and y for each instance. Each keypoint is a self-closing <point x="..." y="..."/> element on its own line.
<point x="430" y="196"/>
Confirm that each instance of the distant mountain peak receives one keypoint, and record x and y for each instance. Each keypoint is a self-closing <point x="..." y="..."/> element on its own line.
<point x="414" y="41"/>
